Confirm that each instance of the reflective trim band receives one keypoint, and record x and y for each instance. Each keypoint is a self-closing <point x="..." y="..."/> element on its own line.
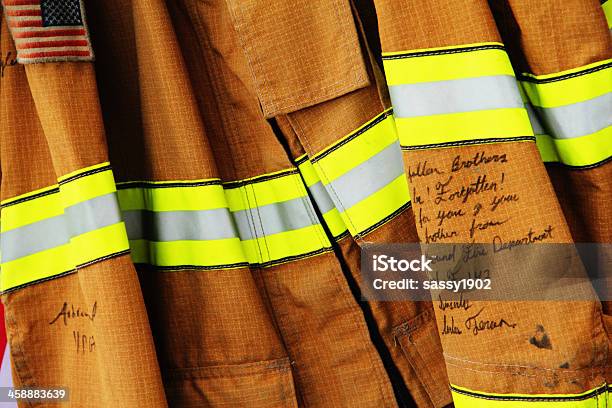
<point x="386" y="166"/>
<point x="172" y="197"/>
<point x="189" y="225"/>
<point x="596" y="398"/>
<point x="180" y="224"/>
<point x="286" y="246"/>
<point x="467" y="126"/>
<point x="32" y="207"/>
<point x="578" y="119"/>
<point x="260" y="221"/>
<point x="275" y="219"/>
<point x="276" y="187"/>
<point x="571" y="113"/>
<point x="459" y="95"/>
<point x="177" y="255"/>
<point x="324" y="202"/>
<point x="55" y="230"/>
<point x="363" y="175"/>
<point x="446" y="63"/>
<point x="447" y="95"/>
<point x="33" y="238"/>
<point x="585" y="151"/>
<point x="568" y="87"/>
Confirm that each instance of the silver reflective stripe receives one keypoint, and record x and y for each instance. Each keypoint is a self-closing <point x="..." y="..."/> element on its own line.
<point x="52" y="232"/>
<point x="321" y="197"/>
<point x="274" y="218"/>
<point x="36" y="237"/>
<point x="367" y="178"/>
<point x="533" y="118"/>
<point x="93" y="214"/>
<point x="578" y="119"/>
<point x="164" y="226"/>
<point x="454" y="96"/>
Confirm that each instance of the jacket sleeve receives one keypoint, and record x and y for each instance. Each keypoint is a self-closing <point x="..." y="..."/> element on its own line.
<point x="464" y="125"/>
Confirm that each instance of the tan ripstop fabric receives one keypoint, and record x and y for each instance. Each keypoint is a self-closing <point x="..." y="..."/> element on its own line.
<point x="299" y="60"/>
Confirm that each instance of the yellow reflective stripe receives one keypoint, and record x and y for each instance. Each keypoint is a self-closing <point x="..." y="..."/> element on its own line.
<point x="37" y="210"/>
<point x="245" y="199"/>
<point x="99" y="243"/>
<point x="373" y="209"/>
<point x="215" y="254"/>
<point x="27" y="212"/>
<point x="466" y="398"/>
<point x="309" y="174"/>
<point x="87" y="187"/>
<point x="40" y="191"/>
<point x="332" y="218"/>
<point x="547" y="149"/>
<point x="572" y="89"/>
<point x="357" y="151"/>
<point x="285" y="245"/>
<point x="578" y="151"/>
<point x="334" y="222"/>
<point x="31" y="268"/>
<point x="446" y="63"/>
<point x="496" y="123"/>
<point x="269" y="191"/>
<point x="172" y="198"/>
<point x="607" y="8"/>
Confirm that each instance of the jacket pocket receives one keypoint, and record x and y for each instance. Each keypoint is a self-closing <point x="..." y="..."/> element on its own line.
<point x="300" y="52"/>
<point x="420" y="343"/>
<point x="260" y="384"/>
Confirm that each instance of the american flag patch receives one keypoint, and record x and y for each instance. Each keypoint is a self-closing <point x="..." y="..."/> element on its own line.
<point x="48" y="30"/>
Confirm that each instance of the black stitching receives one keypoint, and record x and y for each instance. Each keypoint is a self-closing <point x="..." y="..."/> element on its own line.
<point x="86" y="173"/>
<point x="526" y="78"/>
<point x="241" y="264"/>
<point x="382" y="116"/>
<point x="443" y="52"/>
<point x="258" y="179"/>
<point x="585" y="167"/>
<point x="104" y="258"/>
<point x="302" y="160"/>
<point x="152" y="184"/>
<point x="342" y="235"/>
<point x="32" y="197"/>
<point x="197" y="267"/>
<point x="591" y="394"/>
<point x="471" y="142"/>
<point x="48" y="278"/>
<point x="384" y="220"/>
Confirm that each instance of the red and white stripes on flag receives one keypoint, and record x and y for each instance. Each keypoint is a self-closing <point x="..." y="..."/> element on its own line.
<point x="48" y="30"/>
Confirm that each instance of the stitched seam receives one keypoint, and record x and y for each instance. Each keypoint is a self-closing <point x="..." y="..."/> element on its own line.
<point x="443" y="52"/>
<point x="375" y="121"/>
<point x="84" y="174"/>
<point x="472" y="142"/>
<point x="309" y="147"/>
<point x="32" y="197"/>
<point x="562" y="77"/>
<point x="594" y="394"/>
<point x="259" y="179"/>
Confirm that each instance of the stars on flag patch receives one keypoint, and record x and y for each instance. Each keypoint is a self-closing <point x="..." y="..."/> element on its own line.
<point x="48" y="30"/>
